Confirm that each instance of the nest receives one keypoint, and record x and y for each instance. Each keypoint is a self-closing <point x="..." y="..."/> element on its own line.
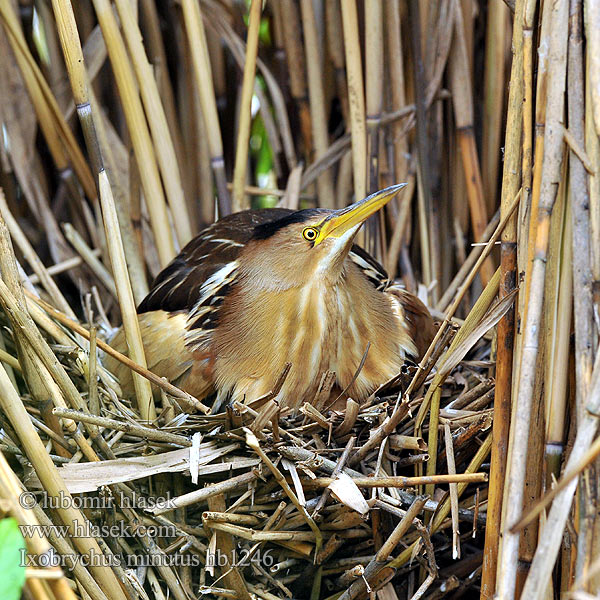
<point x="333" y="500"/>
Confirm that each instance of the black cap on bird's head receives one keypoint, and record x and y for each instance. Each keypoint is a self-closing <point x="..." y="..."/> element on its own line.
<point x="318" y="239"/>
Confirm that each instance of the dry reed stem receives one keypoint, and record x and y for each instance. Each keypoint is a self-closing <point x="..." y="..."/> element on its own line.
<point x="592" y="12"/>
<point x="423" y="179"/>
<point x="378" y="563"/>
<point x="245" y="116"/>
<point x="90" y="259"/>
<point x="316" y="95"/>
<point x="506" y="327"/>
<point x="494" y="81"/>
<point x="549" y="542"/>
<point x="453" y="492"/>
<point x="157" y="120"/>
<point x="138" y="130"/>
<point x="356" y="97"/>
<point x="50" y="117"/>
<point x="131" y="325"/>
<point x="578" y="189"/>
<point x="252" y="441"/>
<point x="553" y="151"/>
<point x="462" y="96"/>
<point x="444" y="507"/>
<point x="32" y="258"/>
<point x="197" y="496"/>
<point x="136" y="430"/>
<point x="294" y="54"/>
<point x="52" y="482"/>
<point x="559" y="300"/>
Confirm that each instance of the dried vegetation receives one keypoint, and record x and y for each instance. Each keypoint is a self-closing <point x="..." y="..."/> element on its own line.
<point x="126" y="125"/>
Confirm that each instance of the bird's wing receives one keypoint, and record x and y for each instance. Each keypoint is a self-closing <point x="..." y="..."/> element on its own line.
<point x="371" y="269"/>
<point x="421" y="326"/>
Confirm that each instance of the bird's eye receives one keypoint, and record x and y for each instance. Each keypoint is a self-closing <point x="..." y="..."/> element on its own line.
<point x="310" y="234"/>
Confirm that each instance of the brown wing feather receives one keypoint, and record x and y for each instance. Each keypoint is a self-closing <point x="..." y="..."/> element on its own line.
<point x="421" y="326"/>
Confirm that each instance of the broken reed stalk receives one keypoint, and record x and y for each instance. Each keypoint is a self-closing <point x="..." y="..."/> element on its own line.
<point x="157" y="120"/>
<point x="138" y="130"/>
<point x="444" y="508"/>
<point x="252" y="442"/>
<point x="130" y="428"/>
<point x="356" y="96"/>
<point x="245" y="114"/>
<point x="553" y="153"/>
<point x="378" y="563"/>
<point x="506" y="327"/>
<point x="399" y="481"/>
<point x="453" y="492"/>
<point x="316" y="95"/>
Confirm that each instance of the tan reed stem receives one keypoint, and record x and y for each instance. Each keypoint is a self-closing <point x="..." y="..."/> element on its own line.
<point x="553" y="151"/>
<point x="245" y="117"/>
<point x="506" y="326"/>
<point x="316" y="95"/>
<point x="131" y="325"/>
<point x="138" y="130"/>
<point x="356" y="96"/>
<point x="157" y="120"/>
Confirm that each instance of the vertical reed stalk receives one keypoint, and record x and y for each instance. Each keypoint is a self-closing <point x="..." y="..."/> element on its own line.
<point x="245" y="116"/>
<point x="356" y="97"/>
<point x="553" y="153"/>
<point x="462" y="96"/>
<point x="423" y="188"/>
<point x="316" y="94"/>
<point x="131" y="324"/>
<point x="494" y="85"/>
<point x="138" y="130"/>
<point x="374" y="77"/>
<point x="157" y="120"/>
<point x="582" y="263"/>
<point x="506" y="327"/>
<point x="204" y="83"/>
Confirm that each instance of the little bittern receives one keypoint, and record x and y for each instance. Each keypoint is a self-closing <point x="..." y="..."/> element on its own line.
<point x="259" y="289"/>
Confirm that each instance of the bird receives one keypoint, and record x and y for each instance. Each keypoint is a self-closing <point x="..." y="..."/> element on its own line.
<point x="259" y="289"/>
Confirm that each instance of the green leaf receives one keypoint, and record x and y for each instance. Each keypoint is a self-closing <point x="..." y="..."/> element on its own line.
<point x="12" y="565"/>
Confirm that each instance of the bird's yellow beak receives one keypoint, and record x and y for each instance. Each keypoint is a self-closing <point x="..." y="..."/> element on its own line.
<point x="341" y="221"/>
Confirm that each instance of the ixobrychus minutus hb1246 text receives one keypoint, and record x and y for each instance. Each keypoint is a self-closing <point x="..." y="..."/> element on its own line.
<point x="259" y="289"/>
